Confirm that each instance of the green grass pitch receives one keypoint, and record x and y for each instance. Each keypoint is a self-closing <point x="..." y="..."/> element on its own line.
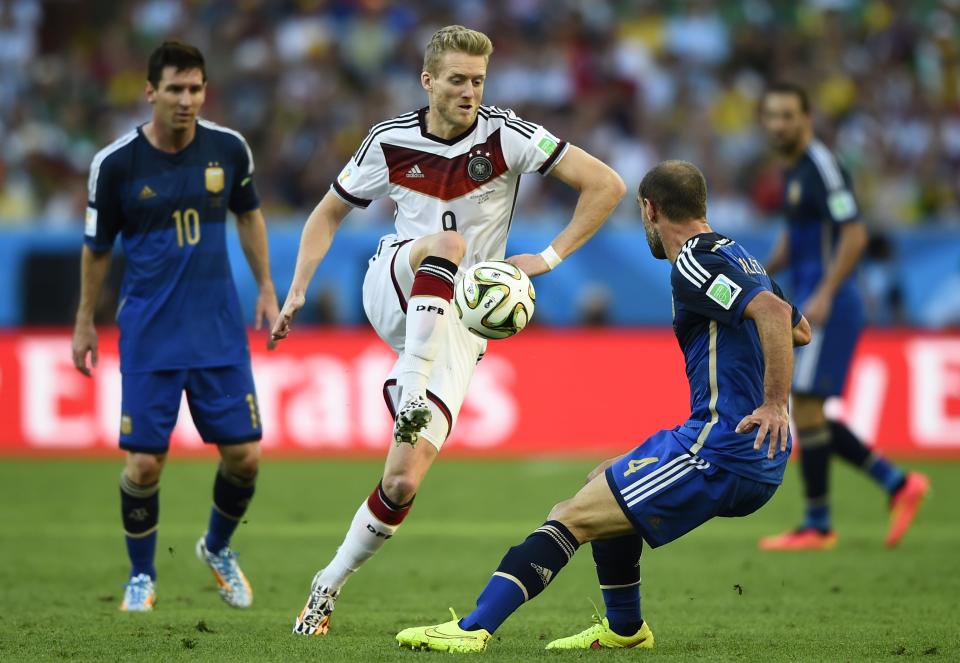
<point x="709" y="596"/>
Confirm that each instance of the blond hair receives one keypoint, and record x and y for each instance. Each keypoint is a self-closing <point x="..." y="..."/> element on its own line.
<point x="455" y="38"/>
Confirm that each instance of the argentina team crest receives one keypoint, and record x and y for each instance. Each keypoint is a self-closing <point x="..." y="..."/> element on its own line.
<point x="794" y="191"/>
<point x="479" y="167"/>
<point x="214" y="179"/>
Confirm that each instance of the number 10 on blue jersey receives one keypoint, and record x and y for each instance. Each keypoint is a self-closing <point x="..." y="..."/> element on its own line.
<point x="188" y="226"/>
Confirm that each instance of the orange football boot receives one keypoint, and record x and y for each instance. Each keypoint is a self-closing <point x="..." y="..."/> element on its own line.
<point x="904" y="506"/>
<point x="803" y="538"/>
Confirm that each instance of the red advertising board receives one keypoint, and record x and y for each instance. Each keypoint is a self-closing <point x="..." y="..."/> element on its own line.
<point x="542" y="392"/>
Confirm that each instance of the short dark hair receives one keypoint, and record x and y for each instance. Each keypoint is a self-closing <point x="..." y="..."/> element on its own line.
<point x="676" y="188"/>
<point x="174" y="54"/>
<point x="786" y="87"/>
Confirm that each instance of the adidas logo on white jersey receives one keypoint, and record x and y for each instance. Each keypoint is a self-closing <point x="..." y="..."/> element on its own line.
<point x="415" y="172"/>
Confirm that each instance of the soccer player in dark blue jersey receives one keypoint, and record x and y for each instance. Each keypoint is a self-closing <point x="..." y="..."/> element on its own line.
<point x="737" y="334"/>
<point x="821" y="246"/>
<point x="165" y="188"/>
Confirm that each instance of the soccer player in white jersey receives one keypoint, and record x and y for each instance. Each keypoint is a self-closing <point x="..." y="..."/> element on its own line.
<point x="452" y="169"/>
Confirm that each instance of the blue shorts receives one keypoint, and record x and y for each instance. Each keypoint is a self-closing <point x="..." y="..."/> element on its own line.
<point x="222" y="400"/>
<point x="666" y="491"/>
<point x="820" y="367"/>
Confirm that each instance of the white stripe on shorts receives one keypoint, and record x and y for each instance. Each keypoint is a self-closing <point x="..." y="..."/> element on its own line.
<point x="663" y="480"/>
<point x="702" y="465"/>
<point x="808" y="359"/>
<point x="653" y="474"/>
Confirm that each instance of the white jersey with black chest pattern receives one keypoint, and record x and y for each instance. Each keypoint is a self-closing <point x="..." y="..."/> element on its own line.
<point x="468" y="183"/>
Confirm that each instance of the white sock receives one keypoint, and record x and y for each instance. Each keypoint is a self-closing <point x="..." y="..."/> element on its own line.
<point x="427" y="319"/>
<point x="366" y="536"/>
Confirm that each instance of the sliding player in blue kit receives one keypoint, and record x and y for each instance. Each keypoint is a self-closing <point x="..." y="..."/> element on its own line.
<point x="165" y="187"/>
<point x="737" y="335"/>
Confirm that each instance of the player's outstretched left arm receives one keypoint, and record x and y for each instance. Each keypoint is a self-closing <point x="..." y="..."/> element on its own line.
<point x="772" y="316"/>
<point x="252" y="230"/>
<point x="600" y="192"/>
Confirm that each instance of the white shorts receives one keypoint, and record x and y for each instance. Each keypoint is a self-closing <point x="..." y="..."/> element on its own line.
<point x="386" y="290"/>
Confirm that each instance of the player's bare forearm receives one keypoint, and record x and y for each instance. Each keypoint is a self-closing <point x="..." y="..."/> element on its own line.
<point x="94" y="267"/>
<point x="779" y="257"/>
<point x="252" y="231"/>
<point x="772" y="316"/>
<point x="601" y="190"/>
<point x="853" y="239"/>
<point x="315" y="241"/>
<point x="850" y="246"/>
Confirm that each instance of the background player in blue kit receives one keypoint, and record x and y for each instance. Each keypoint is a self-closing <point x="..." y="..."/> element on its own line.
<point x="165" y="187"/>
<point x="822" y="245"/>
<point x="737" y="334"/>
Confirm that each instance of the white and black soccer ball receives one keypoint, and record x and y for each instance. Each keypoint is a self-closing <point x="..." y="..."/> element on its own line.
<point x="494" y="299"/>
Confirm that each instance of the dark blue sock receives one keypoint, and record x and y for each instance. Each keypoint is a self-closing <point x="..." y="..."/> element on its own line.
<point x="849" y="447"/>
<point x="815" y="452"/>
<point x="231" y="497"/>
<point x="886" y="473"/>
<point x="140" y="510"/>
<point x="524" y="572"/>
<point x="618" y="570"/>
<point x="817" y="516"/>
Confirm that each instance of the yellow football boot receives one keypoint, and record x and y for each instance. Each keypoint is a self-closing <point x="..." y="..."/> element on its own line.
<point x="600" y="636"/>
<point x="447" y="637"/>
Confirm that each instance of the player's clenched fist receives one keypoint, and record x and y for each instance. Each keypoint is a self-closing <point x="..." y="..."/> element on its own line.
<point x="290" y="307"/>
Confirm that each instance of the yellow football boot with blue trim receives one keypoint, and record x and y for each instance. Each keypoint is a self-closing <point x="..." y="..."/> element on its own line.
<point x="448" y="637"/>
<point x="601" y="636"/>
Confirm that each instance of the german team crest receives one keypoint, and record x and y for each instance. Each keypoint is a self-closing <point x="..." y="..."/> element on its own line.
<point x="213" y="177"/>
<point x="479" y="168"/>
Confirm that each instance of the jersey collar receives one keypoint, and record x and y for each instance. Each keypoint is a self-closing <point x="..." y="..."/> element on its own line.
<point x="422" y="116"/>
<point x="173" y="156"/>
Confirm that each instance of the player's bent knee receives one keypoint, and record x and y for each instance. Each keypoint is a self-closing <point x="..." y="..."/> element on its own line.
<point x="400" y="488"/>
<point x="242" y="460"/>
<point x="246" y="467"/>
<point x="145" y="469"/>
<point x="450" y="245"/>
<point x="566" y="512"/>
<point x="808" y="412"/>
<point x="577" y="517"/>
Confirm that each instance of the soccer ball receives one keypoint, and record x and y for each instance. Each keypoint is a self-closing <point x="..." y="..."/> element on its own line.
<point x="494" y="299"/>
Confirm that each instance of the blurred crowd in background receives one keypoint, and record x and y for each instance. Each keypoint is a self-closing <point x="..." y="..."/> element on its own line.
<point x="632" y="81"/>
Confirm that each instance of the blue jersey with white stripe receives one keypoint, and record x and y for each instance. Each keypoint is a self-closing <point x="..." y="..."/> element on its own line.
<point x="178" y="303"/>
<point x="817" y="200"/>
<point x="713" y="280"/>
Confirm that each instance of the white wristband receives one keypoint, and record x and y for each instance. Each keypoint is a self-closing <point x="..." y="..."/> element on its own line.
<point x="550" y="256"/>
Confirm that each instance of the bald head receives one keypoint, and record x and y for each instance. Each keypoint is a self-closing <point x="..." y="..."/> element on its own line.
<point x="677" y="190"/>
